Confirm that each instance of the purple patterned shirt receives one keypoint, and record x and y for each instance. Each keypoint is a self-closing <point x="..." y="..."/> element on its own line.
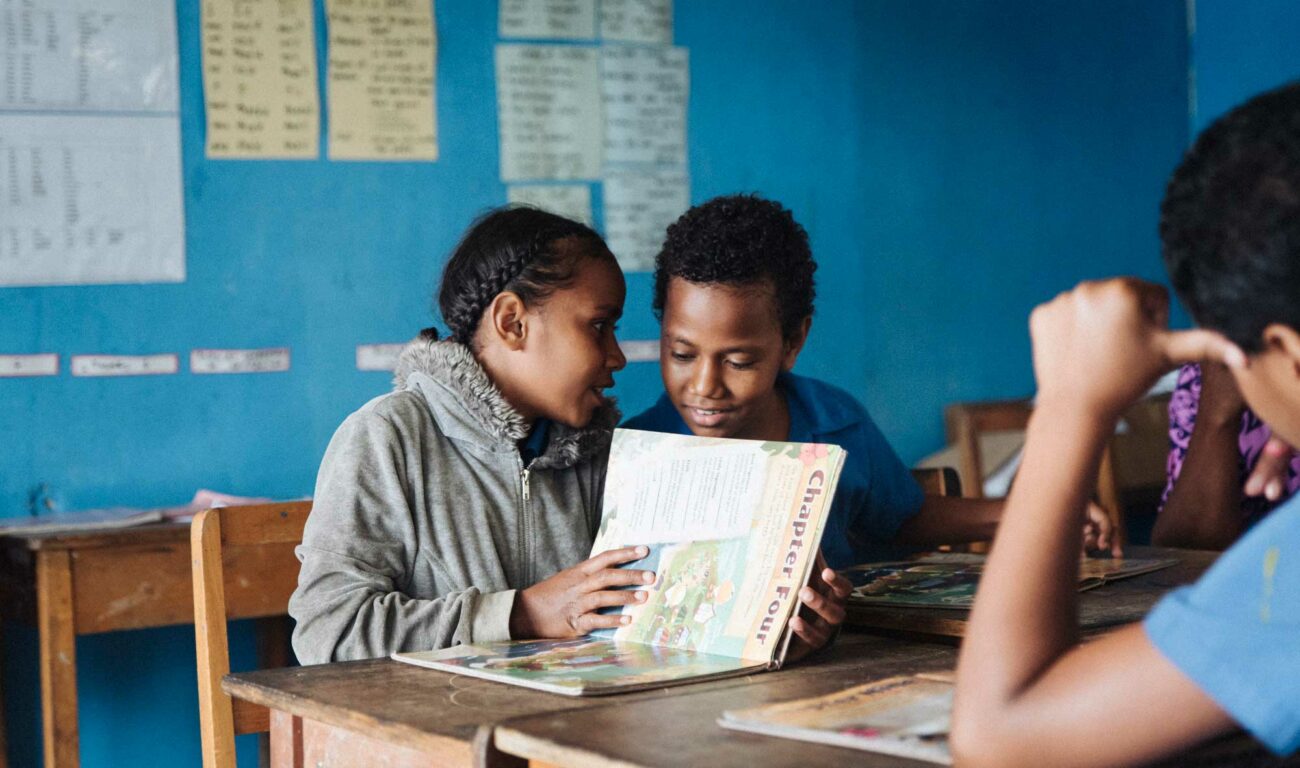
<point x="1250" y="442"/>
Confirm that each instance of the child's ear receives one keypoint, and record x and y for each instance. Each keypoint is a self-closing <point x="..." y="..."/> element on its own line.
<point x="794" y="344"/>
<point x="1284" y="340"/>
<point x="507" y="319"/>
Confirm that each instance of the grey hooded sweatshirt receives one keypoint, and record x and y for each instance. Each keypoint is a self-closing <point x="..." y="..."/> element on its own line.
<point x="425" y="520"/>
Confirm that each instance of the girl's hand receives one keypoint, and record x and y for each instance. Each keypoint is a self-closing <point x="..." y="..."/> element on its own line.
<point x="566" y="604"/>
<point x="821" y="610"/>
<point x="1099" y="531"/>
<point x="1270" y="473"/>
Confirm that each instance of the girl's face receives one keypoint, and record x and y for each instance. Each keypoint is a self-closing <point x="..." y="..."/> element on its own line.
<point x="720" y="354"/>
<point x="569" y="354"/>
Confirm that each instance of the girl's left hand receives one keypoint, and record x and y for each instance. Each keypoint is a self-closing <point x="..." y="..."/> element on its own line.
<point x="821" y="610"/>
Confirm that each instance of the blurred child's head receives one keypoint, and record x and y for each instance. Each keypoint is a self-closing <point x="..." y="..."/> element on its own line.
<point x="536" y="297"/>
<point x="1230" y="225"/>
<point x="734" y="295"/>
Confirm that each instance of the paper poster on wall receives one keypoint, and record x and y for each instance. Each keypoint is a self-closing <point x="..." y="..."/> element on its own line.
<point x="272" y="360"/>
<point x="17" y="366"/>
<point x="645" y="93"/>
<point x="381" y="80"/>
<point x="259" y="79"/>
<point x="378" y="357"/>
<point x="90" y="200"/>
<point x="572" y="201"/>
<point x="548" y="19"/>
<point x="73" y="55"/>
<point x="125" y="365"/>
<point x="638" y="209"/>
<point x="548" y="103"/>
<point x="640" y="350"/>
<point x="637" y="21"/>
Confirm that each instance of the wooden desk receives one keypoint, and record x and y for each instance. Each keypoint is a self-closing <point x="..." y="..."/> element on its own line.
<point x="382" y="712"/>
<point x="660" y="733"/>
<point x="85" y="583"/>
<point x="1120" y="602"/>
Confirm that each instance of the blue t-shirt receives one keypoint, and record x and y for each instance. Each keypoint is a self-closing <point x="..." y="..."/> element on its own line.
<point x="1236" y="631"/>
<point x="876" y="492"/>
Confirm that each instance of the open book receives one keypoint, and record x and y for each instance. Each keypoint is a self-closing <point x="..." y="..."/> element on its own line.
<point x="908" y="716"/>
<point x="733" y="528"/>
<point x="947" y="580"/>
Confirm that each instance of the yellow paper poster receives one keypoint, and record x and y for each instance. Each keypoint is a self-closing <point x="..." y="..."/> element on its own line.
<point x="382" y="80"/>
<point x="259" y="79"/>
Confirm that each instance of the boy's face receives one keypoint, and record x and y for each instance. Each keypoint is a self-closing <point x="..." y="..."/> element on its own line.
<point x="720" y="354"/>
<point x="1271" y="382"/>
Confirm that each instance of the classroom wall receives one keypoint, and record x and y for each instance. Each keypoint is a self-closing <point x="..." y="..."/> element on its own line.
<point x="954" y="163"/>
<point x="1238" y="50"/>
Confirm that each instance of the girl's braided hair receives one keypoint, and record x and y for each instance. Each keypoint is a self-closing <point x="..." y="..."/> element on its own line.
<point x="516" y="249"/>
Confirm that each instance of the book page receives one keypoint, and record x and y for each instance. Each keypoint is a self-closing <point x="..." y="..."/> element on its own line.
<point x="381" y="80"/>
<point x="732" y="527"/>
<point x="259" y="79"/>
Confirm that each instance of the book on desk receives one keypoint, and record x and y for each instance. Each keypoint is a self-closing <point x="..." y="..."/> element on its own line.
<point x="907" y="716"/>
<point x="732" y="528"/>
<point x="949" y="580"/>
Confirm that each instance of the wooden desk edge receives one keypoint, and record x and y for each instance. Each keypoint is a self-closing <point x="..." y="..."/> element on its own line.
<point x="300" y="707"/>
<point x="133" y="535"/>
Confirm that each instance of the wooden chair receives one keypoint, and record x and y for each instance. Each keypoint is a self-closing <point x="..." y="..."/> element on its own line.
<point x="938" y="481"/>
<point x="243" y="564"/>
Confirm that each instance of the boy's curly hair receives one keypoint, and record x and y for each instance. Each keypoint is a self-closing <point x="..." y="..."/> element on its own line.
<point x="1230" y="221"/>
<point x="741" y="241"/>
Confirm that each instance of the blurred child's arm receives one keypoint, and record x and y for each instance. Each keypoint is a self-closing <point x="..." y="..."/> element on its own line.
<point x="955" y="520"/>
<point x="1024" y="689"/>
<point x="1204" y="507"/>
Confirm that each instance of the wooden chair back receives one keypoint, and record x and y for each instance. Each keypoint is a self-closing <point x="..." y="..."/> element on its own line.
<point x="938" y="481"/>
<point x="967" y="422"/>
<point x="243" y="565"/>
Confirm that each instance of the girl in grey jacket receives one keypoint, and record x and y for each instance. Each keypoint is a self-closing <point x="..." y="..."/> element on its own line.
<point x="454" y="509"/>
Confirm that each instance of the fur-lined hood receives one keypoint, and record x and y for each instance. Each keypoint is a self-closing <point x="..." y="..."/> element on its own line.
<point x="452" y="367"/>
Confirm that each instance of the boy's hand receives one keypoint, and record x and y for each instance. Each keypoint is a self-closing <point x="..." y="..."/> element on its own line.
<point x="1099" y="531"/>
<point x="1269" y="476"/>
<point x="1100" y="346"/>
<point x="566" y="604"/>
<point x="821" y="610"/>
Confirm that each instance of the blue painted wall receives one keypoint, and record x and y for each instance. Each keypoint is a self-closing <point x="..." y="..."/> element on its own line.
<point x="1240" y="49"/>
<point x="955" y="163"/>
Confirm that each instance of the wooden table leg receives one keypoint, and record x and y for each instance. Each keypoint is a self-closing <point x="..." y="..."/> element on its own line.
<point x="286" y="740"/>
<point x="58" y="642"/>
<point x="4" y="732"/>
<point x="273" y="639"/>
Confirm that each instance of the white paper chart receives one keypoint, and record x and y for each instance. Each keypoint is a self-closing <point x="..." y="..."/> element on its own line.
<point x="90" y="200"/>
<point x="638" y="209"/>
<point x="548" y="19"/>
<point x="645" y="92"/>
<point x="89" y="143"/>
<point x="97" y="55"/>
<point x="637" y="21"/>
<point x="572" y="201"/>
<point x="548" y="102"/>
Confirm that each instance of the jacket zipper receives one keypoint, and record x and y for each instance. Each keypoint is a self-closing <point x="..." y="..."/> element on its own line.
<point x="524" y="526"/>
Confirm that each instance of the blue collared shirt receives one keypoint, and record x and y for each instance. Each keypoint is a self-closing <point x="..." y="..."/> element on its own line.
<point x="876" y="492"/>
<point x="1236" y="631"/>
<point x="535" y="444"/>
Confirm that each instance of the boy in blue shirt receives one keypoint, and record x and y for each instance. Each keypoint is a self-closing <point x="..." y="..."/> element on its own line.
<point x="734" y="293"/>
<point x="1224" y="652"/>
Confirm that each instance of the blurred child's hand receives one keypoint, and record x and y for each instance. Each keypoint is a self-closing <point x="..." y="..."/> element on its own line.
<point x="821" y="610"/>
<point x="566" y="604"/>
<point x="1099" y="531"/>
<point x="1100" y="346"/>
<point x="1269" y="476"/>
